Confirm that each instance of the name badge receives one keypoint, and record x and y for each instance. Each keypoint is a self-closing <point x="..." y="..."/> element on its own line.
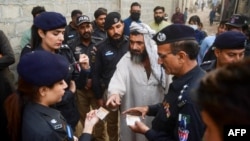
<point x="108" y="53"/>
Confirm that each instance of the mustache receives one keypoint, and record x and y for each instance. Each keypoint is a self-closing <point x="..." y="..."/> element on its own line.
<point x="135" y="51"/>
<point x="116" y="35"/>
<point x="86" y="35"/>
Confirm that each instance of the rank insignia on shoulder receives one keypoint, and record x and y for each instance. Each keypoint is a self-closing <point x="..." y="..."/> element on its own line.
<point x="181" y="100"/>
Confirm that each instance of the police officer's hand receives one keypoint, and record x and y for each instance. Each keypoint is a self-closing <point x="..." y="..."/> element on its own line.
<point x="139" y="127"/>
<point x="90" y="121"/>
<point x="138" y="111"/>
<point x="84" y="61"/>
<point x="114" y="101"/>
<point x="72" y="86"/>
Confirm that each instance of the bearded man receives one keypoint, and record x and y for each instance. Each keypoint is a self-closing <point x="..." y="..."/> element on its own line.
<point x="159" y="22"/>
<point x="138" y="79"/>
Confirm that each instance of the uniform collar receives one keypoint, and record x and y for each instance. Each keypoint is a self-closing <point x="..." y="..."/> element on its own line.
<point x="179" y="82"/>
<point x="44" y="110"/>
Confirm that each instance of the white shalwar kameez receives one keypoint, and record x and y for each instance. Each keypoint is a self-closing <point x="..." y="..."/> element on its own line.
<point x="131" y="82"/>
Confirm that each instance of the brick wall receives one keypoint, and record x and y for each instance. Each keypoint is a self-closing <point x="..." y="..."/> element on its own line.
<point x="15" y="15"/>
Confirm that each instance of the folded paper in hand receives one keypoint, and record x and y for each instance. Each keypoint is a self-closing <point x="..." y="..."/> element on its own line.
<point x="102" y="113"/>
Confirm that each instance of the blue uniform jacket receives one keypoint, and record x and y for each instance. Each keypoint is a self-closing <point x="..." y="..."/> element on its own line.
<point x="41" y="123"/>
<point x="177" y="117"/>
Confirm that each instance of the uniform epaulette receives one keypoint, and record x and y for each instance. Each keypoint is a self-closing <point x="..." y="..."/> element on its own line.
<point x="98" y="43"/>
<point x="27" y="46"/>
<point x="206" y="62"/>
<point x="64" y="46"/>
<point x="208" y="65"/>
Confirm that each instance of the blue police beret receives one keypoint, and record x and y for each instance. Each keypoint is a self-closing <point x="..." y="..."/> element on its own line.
<point x="173" y="33"/>
<point x="50" y="20"/>
<point x="111" y="18"/>
<point x="42" y="68"/>
<point x="230" y="40"/>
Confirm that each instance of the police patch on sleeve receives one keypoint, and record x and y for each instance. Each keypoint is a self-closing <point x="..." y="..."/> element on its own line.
<point x="183" y="132"/>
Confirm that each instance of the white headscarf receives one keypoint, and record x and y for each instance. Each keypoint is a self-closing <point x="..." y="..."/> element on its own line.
<point x="151" y="49"/>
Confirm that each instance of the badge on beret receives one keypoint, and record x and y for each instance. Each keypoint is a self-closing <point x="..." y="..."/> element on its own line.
<point x="161" y="37"/>
<point x="233" y="20"/>
<point x="115" y="20"/>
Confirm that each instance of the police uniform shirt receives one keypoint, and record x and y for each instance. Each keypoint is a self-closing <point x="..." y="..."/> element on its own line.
<point x="40" y="123"/>
<point x="208" y="65"/>
<point x="70" y="35"/>
<point x="98" y="33"/>
<point x="89" y="50"/>
<point x="107" y="56"/>
<point x="177" y="118"/>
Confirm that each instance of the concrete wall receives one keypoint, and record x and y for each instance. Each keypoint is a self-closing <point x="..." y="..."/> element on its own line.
<point x="15" y="15"/>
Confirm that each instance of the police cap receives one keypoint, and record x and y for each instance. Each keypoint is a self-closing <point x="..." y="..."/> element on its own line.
<point x="111" y="18"/>
<point x="82" y="19"/>
<point x="237" y="20"/>
<point x="230" y="40"/>
<point x="42" y="68"/>
<point x="50" y="21"/>
<point x="173" y="33"/>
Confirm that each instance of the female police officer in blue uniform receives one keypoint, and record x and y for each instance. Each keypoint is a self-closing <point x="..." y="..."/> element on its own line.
<point x="48" y="34"/>
<point x="40" y="85"/>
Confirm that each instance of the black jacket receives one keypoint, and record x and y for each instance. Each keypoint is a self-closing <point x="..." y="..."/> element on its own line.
<point x="89" y="50"/>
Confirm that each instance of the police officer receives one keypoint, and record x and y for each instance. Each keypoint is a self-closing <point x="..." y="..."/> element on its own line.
<point x="98" y="24"/>
<point x="41" y="84"/>
<point x="109" y="52"/>
<point x="228" y="47"/>
<point x="177" y="117"/>
<point x="236" y="22"/>
<point x="71" y="34"/>
<point x="47" y="30"/>
<point x="85" y="95"/>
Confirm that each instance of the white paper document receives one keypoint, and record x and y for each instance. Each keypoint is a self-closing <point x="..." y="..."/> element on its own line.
<point x="130" y="119"/>
<point x="102" y="113"/>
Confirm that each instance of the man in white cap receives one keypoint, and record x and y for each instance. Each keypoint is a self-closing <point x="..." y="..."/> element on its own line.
<point x="138" y="79"/>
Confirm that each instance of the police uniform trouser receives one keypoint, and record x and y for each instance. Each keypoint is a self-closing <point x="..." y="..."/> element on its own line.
<point x="85" y="101"/>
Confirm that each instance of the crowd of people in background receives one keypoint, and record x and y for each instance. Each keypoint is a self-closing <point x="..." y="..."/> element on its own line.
<point x="170" y="73"/>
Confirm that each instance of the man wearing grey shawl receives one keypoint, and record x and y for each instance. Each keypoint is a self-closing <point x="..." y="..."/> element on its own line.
<point x="138" y="79"/>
